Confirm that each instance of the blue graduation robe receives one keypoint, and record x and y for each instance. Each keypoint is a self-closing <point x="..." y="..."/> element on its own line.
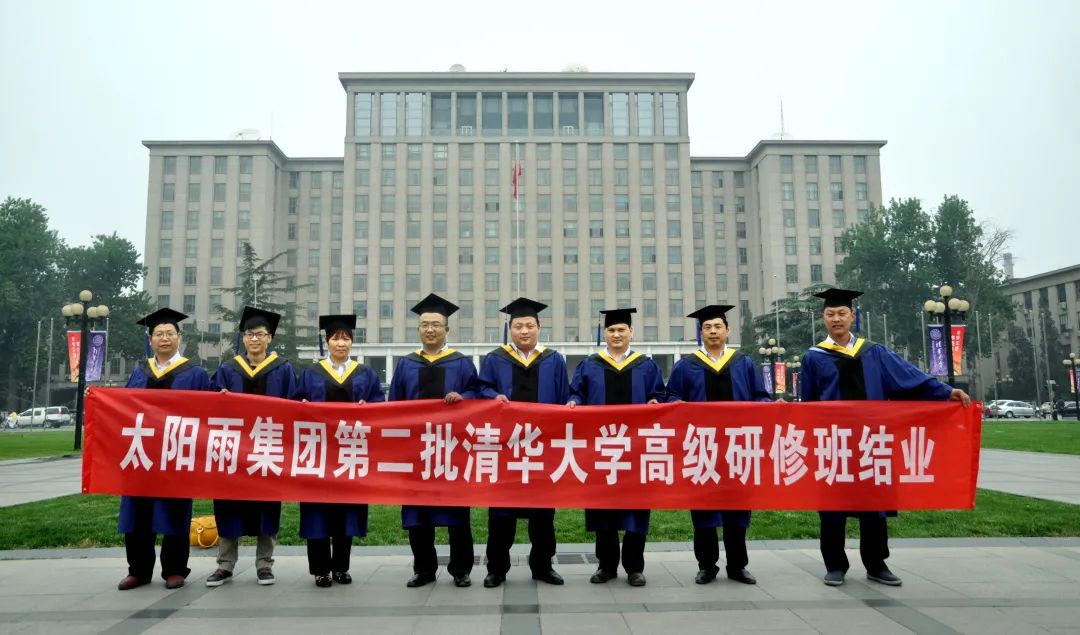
<point x="869" y="371"/>
<point x="274" y="377"/>
<point x="599" y="381"/>
<point x="170" y="516"/>
<point x="417" y="377"/>
<point x="733" y="378"/>
<point x="320" y="383"/>
<point x="543" y="379"/>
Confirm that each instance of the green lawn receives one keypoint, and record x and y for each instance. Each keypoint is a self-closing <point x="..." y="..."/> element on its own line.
<point x="90" y="521"/>
<point x="1059" y="437"/>
<point x="40" y="443"/>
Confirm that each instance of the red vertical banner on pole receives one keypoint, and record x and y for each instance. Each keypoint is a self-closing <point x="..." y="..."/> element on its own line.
<point x="781" y="377"/>
<point x="958" y="348"/>
<point x="74" y="340"/>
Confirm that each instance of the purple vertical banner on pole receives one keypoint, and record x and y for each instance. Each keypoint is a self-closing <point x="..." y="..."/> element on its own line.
<point x="937" y="349"/>
<point x="766" y="378"/>
<point x="95" y="356"/>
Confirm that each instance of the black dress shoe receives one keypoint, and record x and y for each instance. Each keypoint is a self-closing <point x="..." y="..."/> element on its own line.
<point x="342" y="577"/>
<point x="131" y="582"/>
<point x="705" y="576"/>
<point x="323" y="581"/>
<point x="493" y="580"/>
<point x="741" y="575"/>
<point x="420" y="579"/>
<point x="636" y="579"/>
<point x="462" y="580"/>
<point x="549" y="576"/>
<point x="885" y="577"/>
<point x="602" y="576"/>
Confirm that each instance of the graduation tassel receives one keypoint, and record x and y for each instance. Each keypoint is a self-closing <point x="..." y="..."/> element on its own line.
<point x="506" y="331"/>
<point x="237" y="343"/>
<point x="149" y="351"/>
<point x="322" y="352"/>
<point x="858" y="321"/>
<point x="598" y="334"/>
<point x="699" y="334"/>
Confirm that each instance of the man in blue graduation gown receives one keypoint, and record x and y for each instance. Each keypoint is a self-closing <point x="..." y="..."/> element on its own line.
<point x="717" y="373"/>
<point x="330" y="527"/>
<point x="615" y="376"/>
<point x="845" y="368"/>
<point x="254" y="373"/>
<point x="436" y="371"/>
<point x="143" y="517"/>
<point x="523" y="371"/>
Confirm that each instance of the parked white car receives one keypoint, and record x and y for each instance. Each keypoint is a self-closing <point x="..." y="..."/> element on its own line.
<point x="53" y="417"/>
<point x="1011" y="409"/>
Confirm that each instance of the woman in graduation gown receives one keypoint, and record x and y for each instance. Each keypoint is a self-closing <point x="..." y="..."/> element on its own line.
<point x="844" y="367"/>
<point x="716" y="372"/>
<point x="615" y="376"/>
<point x="143" y="517"/>
<point x="330" y="527"/>
<point x="255" y="372"/>
<point x="436" y="371"/>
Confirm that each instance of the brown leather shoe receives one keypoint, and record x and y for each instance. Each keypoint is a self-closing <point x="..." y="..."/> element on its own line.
<point x="174" y="582"/>
<point x="130" y="582"/>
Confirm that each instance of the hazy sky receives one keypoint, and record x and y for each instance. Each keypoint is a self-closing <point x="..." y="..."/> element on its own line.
<point x="977" y="98"/>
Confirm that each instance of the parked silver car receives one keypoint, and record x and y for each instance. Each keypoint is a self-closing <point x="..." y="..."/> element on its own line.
<point x="1011" y="409"/>
<point x="53" y="417"/>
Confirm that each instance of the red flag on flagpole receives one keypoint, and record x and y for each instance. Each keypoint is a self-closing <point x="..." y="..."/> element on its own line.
<point x="517" y="173"/>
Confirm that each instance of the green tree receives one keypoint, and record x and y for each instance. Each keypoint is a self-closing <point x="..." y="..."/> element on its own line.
<point x="110" y="268"/>
<point x="748" y="343"/>
<point x="901" y="255"/>
<point x="1018" y="379"/>
<point x="800" y="322"/>
<point x="261" y="285"/>
<point x="29" y="285"/>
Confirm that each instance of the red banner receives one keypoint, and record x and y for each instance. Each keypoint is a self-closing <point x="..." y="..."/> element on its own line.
<point x="958" y="348"/>
<point x="780" y="372"/>
<point x="866" y="455"/>
<point x="74" y="341"/>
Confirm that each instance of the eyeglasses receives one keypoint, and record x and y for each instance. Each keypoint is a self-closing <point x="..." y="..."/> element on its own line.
<point x="256" y="335"/>
<point x="430" y="325"/>
<point x="163" y="335"/>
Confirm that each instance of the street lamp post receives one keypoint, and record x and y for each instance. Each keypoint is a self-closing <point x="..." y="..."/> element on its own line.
<point x="1072" y="363"/>
<point x="947" y="310"/>
<point x="772" y="353"/>
<point x="794" y="365"/>
<point x="79" y="313"/>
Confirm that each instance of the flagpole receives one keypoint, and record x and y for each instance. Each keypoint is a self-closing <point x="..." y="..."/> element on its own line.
<point x="517" y="218"/>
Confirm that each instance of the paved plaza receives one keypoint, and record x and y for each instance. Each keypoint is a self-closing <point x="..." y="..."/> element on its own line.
<point x="981" y="586"/>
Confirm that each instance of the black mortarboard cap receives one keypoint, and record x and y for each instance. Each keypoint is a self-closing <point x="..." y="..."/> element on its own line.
<point x="838" y="297"/>
<point x="252" y="317"/>
<point x="331" y="323"/>
<point x="435" y="304"/>
<point x="711" y="312"/>
<point x="617" y="316"/>
<point x="523" y="307"/>
<point x="162" y="316"/>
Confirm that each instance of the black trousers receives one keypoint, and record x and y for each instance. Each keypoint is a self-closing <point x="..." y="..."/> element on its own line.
<point x="873" y="541"/>
<point x="326" y="555"/>
<point x="501" y="531"/>
<point x="422" y="542"/>
<point x="140" y="554"/>
<point x="707" y="548"/>
<point x="633" y="551"/>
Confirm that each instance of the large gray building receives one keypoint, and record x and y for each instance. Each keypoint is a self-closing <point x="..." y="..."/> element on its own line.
<point x="611" y="209"/>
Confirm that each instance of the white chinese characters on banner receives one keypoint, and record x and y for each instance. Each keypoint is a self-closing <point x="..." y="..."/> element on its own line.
<point x="522" y="455"/>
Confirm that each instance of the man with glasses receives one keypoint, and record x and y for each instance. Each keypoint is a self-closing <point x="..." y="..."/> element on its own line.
<point x="142" y="518"/>
<point x="255" y="373"/>
<point x="436" y="371"/>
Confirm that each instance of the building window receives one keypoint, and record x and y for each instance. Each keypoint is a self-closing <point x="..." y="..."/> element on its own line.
<point x="164" y="275"/>
<point x="813" y="217"/>
<point x="362" y="103"/>
<point x="834" y="164"/>
<point x="594" y="114"/>
<point x="839" y="221"/>
<point x="789" y="246"/>
<point x="815" y="245"/>
<point x="568" y="113"/>
<point x="492" y="118"/>
<point x="792" y="273"/>
<point x="789" y="218"/>
<point x="787" y="191"/>
<point x="744" y="282"/>
<point x="189" y="304"/>
<point x="194" y="192"/>
<point x="669" y="103"/>
<point x="645" y="112"/>
<point x="815" y="273"/>
<point x="836" y="190"/>
<point x="168" y="192"/>
<point x="743" y="257"/>
<point x="388" y="111"/>
<point x="811" y="191"/>
<point x="785" y="164"/>
<point x="860" y="191"/>
<point x="740" y="230"/>
<point x="860" y="165"/>
<point x="810" y="164"/>
<point x="190" y="276"/>
<point x="414" y="114"/>
<point x="245" y="165"/>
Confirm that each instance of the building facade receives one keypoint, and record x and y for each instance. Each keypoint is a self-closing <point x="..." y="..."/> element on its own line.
<point x="610" y="209"/>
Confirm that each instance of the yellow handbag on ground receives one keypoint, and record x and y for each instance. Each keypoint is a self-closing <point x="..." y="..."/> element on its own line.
<point x="204" y="532"/>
